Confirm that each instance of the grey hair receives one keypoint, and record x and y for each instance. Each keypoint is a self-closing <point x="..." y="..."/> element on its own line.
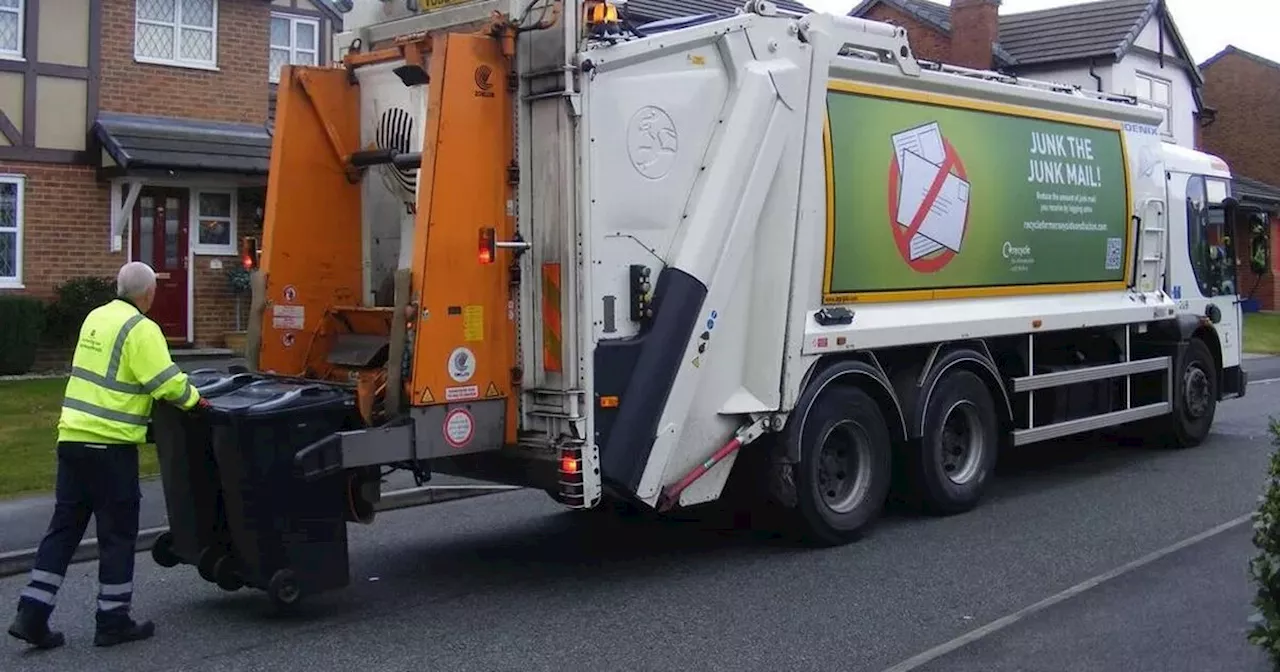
<point x="134" y="279"/>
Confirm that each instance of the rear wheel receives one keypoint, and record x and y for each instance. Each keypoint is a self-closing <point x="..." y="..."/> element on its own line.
<point x="844" y="473"/>
<point x="952" y="462"/>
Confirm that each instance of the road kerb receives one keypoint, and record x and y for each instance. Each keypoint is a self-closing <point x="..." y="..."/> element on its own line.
<point x="20" y="562"/>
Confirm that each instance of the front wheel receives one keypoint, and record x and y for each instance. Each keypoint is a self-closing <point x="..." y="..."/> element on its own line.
<point x="1195" y="399"/>
<point x="843" y="477"/>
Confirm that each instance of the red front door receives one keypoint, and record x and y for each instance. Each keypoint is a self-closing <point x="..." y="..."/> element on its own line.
<point x="160" y="240"/>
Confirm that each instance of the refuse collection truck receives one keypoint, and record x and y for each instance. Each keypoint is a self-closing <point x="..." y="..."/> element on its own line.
<point x="536" y="244"/>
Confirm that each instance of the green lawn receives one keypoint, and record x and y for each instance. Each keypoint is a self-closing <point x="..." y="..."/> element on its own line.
<point x="28" y="436"/>
<point x="1262" y="333"/>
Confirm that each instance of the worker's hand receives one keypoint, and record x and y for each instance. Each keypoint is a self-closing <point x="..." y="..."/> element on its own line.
<point x="202" y="405"/>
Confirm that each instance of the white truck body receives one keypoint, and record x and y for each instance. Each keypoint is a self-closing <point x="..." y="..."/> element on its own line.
<point x="699" y="152"/>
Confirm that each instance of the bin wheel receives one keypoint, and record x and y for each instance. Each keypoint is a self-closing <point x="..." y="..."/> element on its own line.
<point x="207" y="564"/>
<point x="225" y="574"/>
<point x="283" y="589"/>
<point x="162" y="551"/>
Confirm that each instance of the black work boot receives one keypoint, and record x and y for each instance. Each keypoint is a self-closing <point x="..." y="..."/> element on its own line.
<point x="34" y="630"/>
<point x="122" y="630"/>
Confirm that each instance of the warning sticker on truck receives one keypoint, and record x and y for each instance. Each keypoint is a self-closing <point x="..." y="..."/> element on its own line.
<point x="288" y="317"/>
<point x="459" y="427"/>
<point x="954" y="193"/>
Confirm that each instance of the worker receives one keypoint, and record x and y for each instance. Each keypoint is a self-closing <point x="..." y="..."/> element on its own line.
<point x="121" y="364"/>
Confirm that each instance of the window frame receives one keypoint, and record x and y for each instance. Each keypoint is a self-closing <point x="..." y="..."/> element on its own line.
<point x="214" y="250"/>
<point x="20" y="181"/>
<point x="19" y="53"/>
<point x="1166" y="128"/>
<point x="294" y="20"/>
<point x="177" y="25"/>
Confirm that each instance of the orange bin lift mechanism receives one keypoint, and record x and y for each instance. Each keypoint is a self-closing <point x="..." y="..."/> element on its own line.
<point x="311" y="233"/>
<point x="465" y="338"/>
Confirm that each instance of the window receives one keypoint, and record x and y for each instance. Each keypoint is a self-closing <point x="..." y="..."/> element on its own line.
<point x="177" y="32"/>
<point x="294" y="41"/>
<point x="215" y="223"/>
<point x="1208" y="243"/>
<point x="11" y="215"/>
<point x="1157" y="94"/>
<point x="11" y="28"/>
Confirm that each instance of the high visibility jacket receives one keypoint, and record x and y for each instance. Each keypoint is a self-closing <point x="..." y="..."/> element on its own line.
<point x="121" y="364"/>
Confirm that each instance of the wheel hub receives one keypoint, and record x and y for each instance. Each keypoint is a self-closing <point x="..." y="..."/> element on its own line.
<point x="962" y="444"/>
<point x="844" y="467"/>
<point x="1195" y="391"/>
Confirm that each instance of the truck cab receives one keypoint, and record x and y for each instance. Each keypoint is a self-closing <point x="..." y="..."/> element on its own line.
<point x="1202" y="268"/>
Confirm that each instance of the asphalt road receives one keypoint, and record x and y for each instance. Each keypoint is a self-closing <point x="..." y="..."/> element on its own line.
<point x="511" y="582"/>
<point x="23" y="520"/>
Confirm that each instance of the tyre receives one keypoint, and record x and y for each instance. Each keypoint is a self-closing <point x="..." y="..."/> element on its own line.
<point x="162" y="551"/>
<point x="1195" y="400"/>
<point x="951" y="463"/>
<point x="226" y="574"/>
<point x="207" y="563"/>
<point x="284" y="590"/>
<point x="843" y="477"/>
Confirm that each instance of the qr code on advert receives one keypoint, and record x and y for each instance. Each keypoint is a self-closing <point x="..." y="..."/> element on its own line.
<point x="1114" y="254"/>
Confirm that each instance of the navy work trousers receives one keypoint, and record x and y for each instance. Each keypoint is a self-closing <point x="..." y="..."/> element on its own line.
<point x="102" y="481"/>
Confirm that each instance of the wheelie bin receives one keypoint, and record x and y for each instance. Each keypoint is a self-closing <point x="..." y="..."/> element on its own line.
<point x="289" y="535"/>
<point x="198" y="532"/>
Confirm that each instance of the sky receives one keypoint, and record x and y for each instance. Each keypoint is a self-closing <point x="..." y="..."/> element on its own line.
<point x="1206" y="25"/>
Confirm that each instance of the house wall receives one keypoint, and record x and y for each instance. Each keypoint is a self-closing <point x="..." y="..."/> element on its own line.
<point x="1246" y="93"/>
<point x="1138" y="60"/>
<point x="236" y="91"/>
<point x="1263" y="289"/>
<point x="67" y="205"/>
<point x="48" y="96"/>
<point x="64" y="226"/>
<point x="1076" y="76"/>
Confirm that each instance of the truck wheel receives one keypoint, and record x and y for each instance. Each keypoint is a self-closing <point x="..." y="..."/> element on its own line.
<point x="843" y="477"/>
<point x="1195" y="398"/>
<point x="953" y="460"/>
<point x="162" y="551"/>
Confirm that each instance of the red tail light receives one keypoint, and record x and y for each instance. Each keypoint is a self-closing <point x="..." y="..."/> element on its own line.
<point x="487" y="246"/>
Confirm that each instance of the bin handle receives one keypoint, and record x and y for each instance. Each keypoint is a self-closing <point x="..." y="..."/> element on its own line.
<point x="288" y="397"/>
<point x="319" y="459"/>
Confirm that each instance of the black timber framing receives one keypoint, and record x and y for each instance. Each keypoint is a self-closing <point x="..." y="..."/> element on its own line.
<point x="31" y="69"/>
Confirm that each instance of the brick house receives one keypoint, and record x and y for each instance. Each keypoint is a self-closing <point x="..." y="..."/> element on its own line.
<point x="139" y="129"/>
<point x="1126" y="47"/>
<point x="1245" y="89"/>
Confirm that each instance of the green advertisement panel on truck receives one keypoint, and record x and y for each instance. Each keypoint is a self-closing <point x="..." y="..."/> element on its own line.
<point x="930" y="192"/>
